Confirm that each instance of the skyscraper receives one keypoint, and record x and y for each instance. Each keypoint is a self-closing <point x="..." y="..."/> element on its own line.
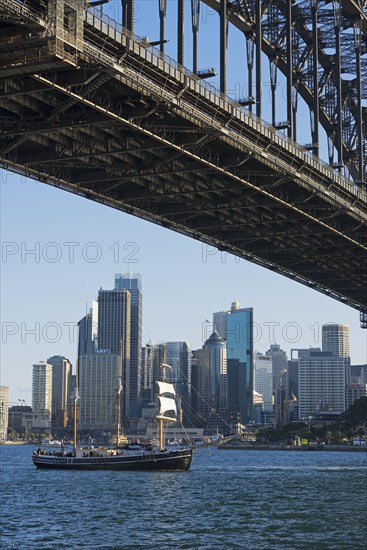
<point x="114" y="325"/>
<point x="98" y="377"/>
<point x="220" y="323"/>
<point x="202" y="398"/>
<point x="178" y="356"/>
<point x="132" y="282"/>
<point x="209" y="381"/>
<point x="240" y="363"/>
<point x="335" y="339"/>
<point x="42" y="396"/>
<point x="42" y="387"/>
<point x="218" y="382"/>
<point x="280" y="378"/>
<point x="88" y="330"/>
<point x="61" y="386"/>
<point x="321" y="383"/>
<point x="279" y="362"/>
<point x="293" y="369"/>
<point x="154" y="355"/>
<point x="263" y="380"/>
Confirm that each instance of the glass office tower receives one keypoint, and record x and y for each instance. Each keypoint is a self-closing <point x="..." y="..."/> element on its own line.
<point x="132" y="282"/>
<point x="240" y="363"/>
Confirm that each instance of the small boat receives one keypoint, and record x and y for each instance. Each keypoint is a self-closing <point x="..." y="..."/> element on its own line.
<point x="51" y="443"/>
<point x="127" y="457"/>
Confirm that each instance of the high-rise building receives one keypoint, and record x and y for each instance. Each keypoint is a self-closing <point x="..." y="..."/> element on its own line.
<point x="280" y="380"/>
<point x="42" y="387"/>
<point x="335" y="339"/>
<point x="279" y="361"/>
<point x="132" y="282"/>
<point x="293" y="368"/>
<point x="88" y="331"/>
<point x="4" y="407"/>
<point x="209" y="380"/>
<point x="98" y="376"/>
<point x="154" y="356"/>
<point x="202" y="400"/>
<point x="240" y="363"/>
<point x="178" y="356"/>
<point x="218" y="359"/>
<point x="321" y="383"/>
<point x="146" y="368"/>
<point x="42" y="396"/>
<point x="61" y="386"/>
<point x="263" y="380"/>
<point x="257" y="407"/>
<point x="114" y="325"/>
<point x="220" y="323"/>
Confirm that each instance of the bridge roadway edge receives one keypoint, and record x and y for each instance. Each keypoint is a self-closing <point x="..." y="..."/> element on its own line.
<point x="264" y="155"/>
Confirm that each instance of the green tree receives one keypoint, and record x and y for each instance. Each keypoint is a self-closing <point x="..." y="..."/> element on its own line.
<point x="356" y="415"/>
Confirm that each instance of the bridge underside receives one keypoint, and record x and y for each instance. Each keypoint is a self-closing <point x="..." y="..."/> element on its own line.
<point x="119" y="127"/>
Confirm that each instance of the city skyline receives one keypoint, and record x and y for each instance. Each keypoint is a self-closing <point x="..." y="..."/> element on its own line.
<point x="272" y="327"/>
<point x="79" y="245"/>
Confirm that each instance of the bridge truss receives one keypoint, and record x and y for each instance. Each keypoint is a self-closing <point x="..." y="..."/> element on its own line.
<point x="90" y="108"/>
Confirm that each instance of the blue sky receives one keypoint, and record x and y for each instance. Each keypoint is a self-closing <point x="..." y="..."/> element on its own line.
<point x="79" y="246"/>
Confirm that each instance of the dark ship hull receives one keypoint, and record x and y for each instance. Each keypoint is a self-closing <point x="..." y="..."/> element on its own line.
<point x="179" y="459"/>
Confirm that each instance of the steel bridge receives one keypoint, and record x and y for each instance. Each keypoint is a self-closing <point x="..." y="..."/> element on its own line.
<point x="89" y="107"/>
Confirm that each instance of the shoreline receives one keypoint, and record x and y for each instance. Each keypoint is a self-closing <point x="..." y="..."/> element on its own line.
<point x="326" y="448"/>
<point x="14" y="443"/>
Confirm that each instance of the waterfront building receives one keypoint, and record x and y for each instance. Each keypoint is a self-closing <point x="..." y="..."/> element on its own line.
<point x="88" y="331"/>
<point x="42" y="396"/>
<point x="321" y="383"/>
<point x="42" y="387"/>
<point x="133" y="283"/>
<point x="335" y="339"/>
<point x="61" y="388"/>
<point x="4" y="407"/>
<point x="20" y="419"/>
<point x="263" y="380"/>
<point x="98" y="375"/>
<point x="240" y="363"/>
<point x="114" y="333"/>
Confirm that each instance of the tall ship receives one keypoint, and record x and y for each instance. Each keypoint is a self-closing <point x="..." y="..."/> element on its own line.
<point x="126" y="457"/>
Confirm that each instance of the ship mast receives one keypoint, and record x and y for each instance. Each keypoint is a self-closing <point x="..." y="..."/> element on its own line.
<point x="75" y="409"/>
<point x="118" y="411"/>
<point x="164" y="367"/>
<point x="118" y="399"/>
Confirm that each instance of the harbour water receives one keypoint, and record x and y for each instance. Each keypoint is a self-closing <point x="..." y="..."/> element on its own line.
<point x="228" y="499"/>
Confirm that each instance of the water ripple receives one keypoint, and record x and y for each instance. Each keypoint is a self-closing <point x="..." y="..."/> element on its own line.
<point x="229" y="499"/>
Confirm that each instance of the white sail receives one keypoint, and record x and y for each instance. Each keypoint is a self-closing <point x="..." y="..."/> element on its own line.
<point x="165" y="387"/>
<point x="166" y="404"/>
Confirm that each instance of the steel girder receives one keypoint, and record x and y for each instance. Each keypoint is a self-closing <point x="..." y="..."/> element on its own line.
<point x="328" y="68"/>
<point x="120" y="125"/>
